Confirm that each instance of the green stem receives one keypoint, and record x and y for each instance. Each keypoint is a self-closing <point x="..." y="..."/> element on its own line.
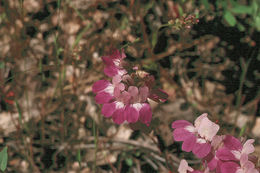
<point x="95" y="141"/>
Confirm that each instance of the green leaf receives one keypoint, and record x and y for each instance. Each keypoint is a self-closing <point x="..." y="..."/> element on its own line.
<point x="124" y="23"/>
<point x="79" y="36"/>
<point x="221" y="4"/>
<point x="150" y="65"/>
<point x="180" y="10"/>
<point x="205" y="3"/>
<point x="242" y="9"/>
<point x="79" y="157"/>
<point x="154" y="38"/>
<point x="242" y="131"/>
<point x="3" y="159"/>
<point x="2" y="65"/>
<point x="19" y="112"/>
<point x="137" y="154"/>
<point x="254" y="7"/>
<point x="129" y="161"/>
<point x="241" y="27"/>
<point x="257" y="23"/>
<point x="148" y="6"/>
<point x="230" y="18"/>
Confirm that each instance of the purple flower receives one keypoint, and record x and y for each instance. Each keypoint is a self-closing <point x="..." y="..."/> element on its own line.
<point x="245" y="166"/>
<point x="195" y="138"/>
<point x="130" y="105"/>
<point x="126" y="98"/>
<point x="185" y="168"/>
<point x="123" y="105"/>
<point x="233" y="149"/>
<point x="231" y="153"/>
<point x="114" y="63"/>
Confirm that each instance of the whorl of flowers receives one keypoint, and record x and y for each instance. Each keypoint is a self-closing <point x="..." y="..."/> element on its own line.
<point x="219" y="154"/>
<point x="126" y="97"/>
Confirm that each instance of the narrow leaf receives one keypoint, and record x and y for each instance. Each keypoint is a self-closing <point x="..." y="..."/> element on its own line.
<point x="154" y="38"/>
<point x="242" y="9"/>
<point x="79" y="157"/>
<point x="129" y="161"/>
<point x="3" y="159"/>
<point x="205" y="3"/>
<point x="2" y="65"/>
<point x="230" y="18"/>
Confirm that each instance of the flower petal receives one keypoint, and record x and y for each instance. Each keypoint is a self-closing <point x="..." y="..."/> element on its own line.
<point x="225" y="154"/>
<point x="180" y="124"/>
<point x="184" y="167"/>
<point x="248" y="146"/>
<point x="229" y="167"/>
<point x="108" y="61"/>
<point x="232" y="143"/>
<point x="207" y="129"/>
<point x="133" y="91"/>
<point x="189" y="143"/>
<point x="131" y="113"/>
<point x="181" y="134"/>
<point x="108" y="109"/>
<point x="145" y="114"/>
<point x="199" y="119"/>
<point x="201" y="149"/>
<point x="116" y="79"/>
<point x="212" y="164"/>
<point x="118" y="116"/>
<point x="111" y="71"/>
<point x="143" y="93"/>
<point x="100" y="85"/>
<point x="103" y="97"/>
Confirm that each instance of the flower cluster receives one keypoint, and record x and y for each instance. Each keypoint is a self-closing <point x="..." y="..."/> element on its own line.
<point x="183" y="22"/>
<point x="126" y="97"/>
<point x="220" y="154"/>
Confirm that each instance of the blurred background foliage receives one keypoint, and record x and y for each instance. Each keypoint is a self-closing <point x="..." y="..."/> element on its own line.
<point x="50" y="56"/>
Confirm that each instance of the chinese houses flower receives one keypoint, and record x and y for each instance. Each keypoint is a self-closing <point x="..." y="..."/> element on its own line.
<point x="195" y="138"/>
<point x="219" y="153"/>
<point x="126" y="98"/>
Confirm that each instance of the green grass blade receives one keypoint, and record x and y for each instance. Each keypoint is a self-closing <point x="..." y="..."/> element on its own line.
<point x="3" y="159"/>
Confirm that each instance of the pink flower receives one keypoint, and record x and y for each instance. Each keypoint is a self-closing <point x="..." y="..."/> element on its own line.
<point x="247" y="149"/>
<point x="114" y="63"/>
<point x="245" y="166"/>
<point x="130" y="105"/>
<point x="122" y="102"/>
<point x="233" y="149"/>
<point x="232" y="152"/>
<point x="226" y="153"/>
<point x="185" y="168"/>
<point x="126" y="98"/>
<point x="104" y="90"/>
<point x="195" y="138"/>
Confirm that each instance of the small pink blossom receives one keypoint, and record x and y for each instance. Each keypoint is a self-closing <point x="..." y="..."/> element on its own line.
<point x="195" y="138"/>
<point x="230" y="153"/>
<point x="248" y="148"/>
<point x="126" y="98"/>
<point x="184" y="167"/>
<point x="114" y="63"/>
<point x="246" y="166"/>
<point x="233" y="149"/>
<point x="226" y="154"/>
